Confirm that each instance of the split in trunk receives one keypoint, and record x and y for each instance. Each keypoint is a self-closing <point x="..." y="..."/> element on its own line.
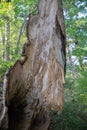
<point x="34" y="85"/>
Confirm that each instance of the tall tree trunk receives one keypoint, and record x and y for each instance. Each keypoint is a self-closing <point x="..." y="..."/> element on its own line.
<point x="72" y="68"/>
<point x="3" y="42"/>
<point x="35" y="85"/>
<point x="7" y="40"/>
<point x="21" y="32"/>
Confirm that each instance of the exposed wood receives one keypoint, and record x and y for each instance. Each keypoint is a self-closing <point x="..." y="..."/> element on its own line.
<point x="34" y="85"/>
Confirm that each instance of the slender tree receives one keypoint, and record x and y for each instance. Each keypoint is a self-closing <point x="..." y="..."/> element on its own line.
<point x="7" y="40"/>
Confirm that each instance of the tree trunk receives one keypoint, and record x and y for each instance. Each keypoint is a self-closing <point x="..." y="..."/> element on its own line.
<point x="72" y="68"/>
<point x="7" y="40"/>
<point x="21" y="32"/>
<point x="3" y="42"/>
<point x="34" y="85"/>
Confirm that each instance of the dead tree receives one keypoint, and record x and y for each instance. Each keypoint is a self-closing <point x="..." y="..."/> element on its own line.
<point x="34" y="85"/>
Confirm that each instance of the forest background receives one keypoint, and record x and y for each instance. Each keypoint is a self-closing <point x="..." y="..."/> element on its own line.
<point x="14" y="15"/>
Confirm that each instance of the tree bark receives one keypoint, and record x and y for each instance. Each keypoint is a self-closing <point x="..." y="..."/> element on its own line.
<point x="21" y="32"/>
<point x="7" y="40"/>
<point x="34" y="85"/>
<point x="2" y="42"/>
<point x="72" y="68"/>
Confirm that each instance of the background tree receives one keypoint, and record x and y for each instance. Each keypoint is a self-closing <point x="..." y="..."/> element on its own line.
<point x="17" y="13"/>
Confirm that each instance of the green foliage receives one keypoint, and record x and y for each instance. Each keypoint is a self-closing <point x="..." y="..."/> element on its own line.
<point x="70" y="119"/>
<point x="74" y="115"/>
<point x="13" y="14"/>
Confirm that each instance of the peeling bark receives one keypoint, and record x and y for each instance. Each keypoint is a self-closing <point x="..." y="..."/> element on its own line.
<point x="34" y="85"/>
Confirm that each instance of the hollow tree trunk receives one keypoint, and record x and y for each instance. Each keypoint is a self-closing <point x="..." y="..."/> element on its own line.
<point x="35" y="85"/>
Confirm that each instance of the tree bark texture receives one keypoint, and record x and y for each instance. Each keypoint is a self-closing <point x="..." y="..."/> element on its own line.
<point x="7" y="40"/>
<point x="34" y="85"/>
